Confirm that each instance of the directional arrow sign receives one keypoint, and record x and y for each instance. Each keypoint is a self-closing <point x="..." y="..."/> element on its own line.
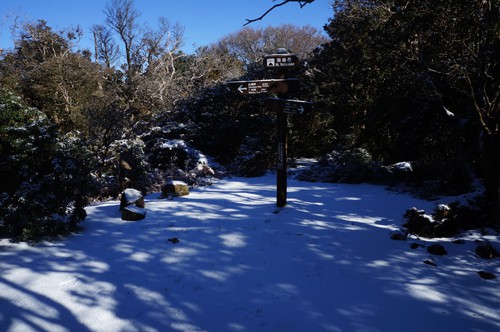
<point x="288" y="106"/>
<point x="280" y="60"/>
<point x="272" y="86"/>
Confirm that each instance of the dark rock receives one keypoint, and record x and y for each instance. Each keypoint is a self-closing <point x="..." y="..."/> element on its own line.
<point x="133" y="213"/>
<point x="418" y="222"/>
<point x="441" y="212"/>
<point x="414" y="245"/>
<point x="485" y="250"/>
<point x="429" y="262"/>
<point x="398" y="235"/>
<point x="437" y="249"/>
<point x="174" y="240"/>
<point x="486" y="275"/>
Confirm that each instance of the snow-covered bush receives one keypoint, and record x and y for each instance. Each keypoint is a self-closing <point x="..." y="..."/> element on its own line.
<point x="178" y="160"/>
<point x="447" y="219"/>
<point x="348" y="165"/>
<point x="45" y="176"/>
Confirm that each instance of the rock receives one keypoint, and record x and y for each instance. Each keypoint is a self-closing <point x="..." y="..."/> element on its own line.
<point x="415" y="245"/>
<point x="485" y="250"/>
<point x="486" y="275"/>
<point x="418" y="222"/>
<point x="441" y="211"/>
<point x="132" y="205"/>
<point x="131" y="197"/>
<point x="437" y="249"/>
<point x="202" y="169"/>
<point x="133" y="213"/>
<point x="398" y="235"/>
<point x="430" y="262"/>
<point x="174" y="240"/>
<point x="174" y="188"/>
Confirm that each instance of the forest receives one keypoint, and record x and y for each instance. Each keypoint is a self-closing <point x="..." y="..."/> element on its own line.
<point x="395" y="81"/>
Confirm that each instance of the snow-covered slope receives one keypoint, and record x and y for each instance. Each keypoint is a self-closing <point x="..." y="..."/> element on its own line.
<point x="225" y="258"/>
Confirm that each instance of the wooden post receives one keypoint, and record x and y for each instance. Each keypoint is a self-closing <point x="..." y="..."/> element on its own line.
<point x="280" y="87"/>
<point x="281" y="177"/>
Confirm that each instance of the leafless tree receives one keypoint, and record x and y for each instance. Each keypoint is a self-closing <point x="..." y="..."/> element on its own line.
<point x="106" y="49"/>
<point x="250" y="45"/>
<point x="160" y="52"/>
<point x="121" y="16"/>
<point x="150" y="55"/>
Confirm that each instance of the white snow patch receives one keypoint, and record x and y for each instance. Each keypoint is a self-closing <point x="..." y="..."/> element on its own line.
<point x="403" y="166"/>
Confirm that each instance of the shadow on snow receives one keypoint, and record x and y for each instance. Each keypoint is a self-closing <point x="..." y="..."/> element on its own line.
<point x="324" y="262"/>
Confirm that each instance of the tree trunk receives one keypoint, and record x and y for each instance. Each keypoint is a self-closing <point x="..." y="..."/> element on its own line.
<point x="491" y="159"/>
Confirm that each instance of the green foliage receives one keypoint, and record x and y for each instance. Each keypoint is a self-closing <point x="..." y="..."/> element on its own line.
<point x="45" y="176"/>
<point x="401" y="79"/>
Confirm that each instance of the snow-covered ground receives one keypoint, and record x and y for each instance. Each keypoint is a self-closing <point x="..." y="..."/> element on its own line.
<point x="325" y="262"/>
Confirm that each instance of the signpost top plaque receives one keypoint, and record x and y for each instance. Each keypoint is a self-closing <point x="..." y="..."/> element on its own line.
<point x="280" y="61"/>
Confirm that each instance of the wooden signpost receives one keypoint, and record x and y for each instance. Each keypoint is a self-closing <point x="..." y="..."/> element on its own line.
<point x="280" y="89"/>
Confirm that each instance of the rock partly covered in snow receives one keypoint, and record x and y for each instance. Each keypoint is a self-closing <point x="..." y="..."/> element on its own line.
<point x="131" y="197"/>
<point x="133" y="213"/>
<point x="401" y="167"/>
<point x="174" y="188"/>
<point x="132" y="205"/>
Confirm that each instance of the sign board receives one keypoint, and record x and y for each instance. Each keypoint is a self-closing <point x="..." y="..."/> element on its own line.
<point x="271" y="86"/>
<point x="280" y="61"/>
<point x="288" y="106"/>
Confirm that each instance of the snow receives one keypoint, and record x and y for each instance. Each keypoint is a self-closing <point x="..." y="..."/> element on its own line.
<point x="135" y="209"/>
<point x="173" y="143"/>
<point x="403" y="166"/>
<point x="131" y="195"/>
<point x="325" y="262"/>
<point x="177" y="183"/>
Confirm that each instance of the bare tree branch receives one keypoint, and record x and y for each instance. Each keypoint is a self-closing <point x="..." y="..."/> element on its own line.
<point x="302" y="3"/>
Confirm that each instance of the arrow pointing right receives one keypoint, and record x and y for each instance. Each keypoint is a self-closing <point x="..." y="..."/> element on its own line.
<point x="288" y="106"/>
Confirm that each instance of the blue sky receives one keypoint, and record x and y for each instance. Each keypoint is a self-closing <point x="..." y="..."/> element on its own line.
<point x="205" y="21"/>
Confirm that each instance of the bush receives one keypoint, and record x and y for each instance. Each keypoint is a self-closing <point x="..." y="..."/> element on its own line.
<point x="254" y="158"/>
<point x="347" y="165"/>
<point x="45" y="176"/>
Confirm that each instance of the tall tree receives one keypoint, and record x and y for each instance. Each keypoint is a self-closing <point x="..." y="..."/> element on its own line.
<point x="121" y="16"/>
<point x="418" y="72"/>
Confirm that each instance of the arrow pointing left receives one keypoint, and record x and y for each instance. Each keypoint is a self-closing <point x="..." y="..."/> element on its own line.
<point x="242" y="88"/>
